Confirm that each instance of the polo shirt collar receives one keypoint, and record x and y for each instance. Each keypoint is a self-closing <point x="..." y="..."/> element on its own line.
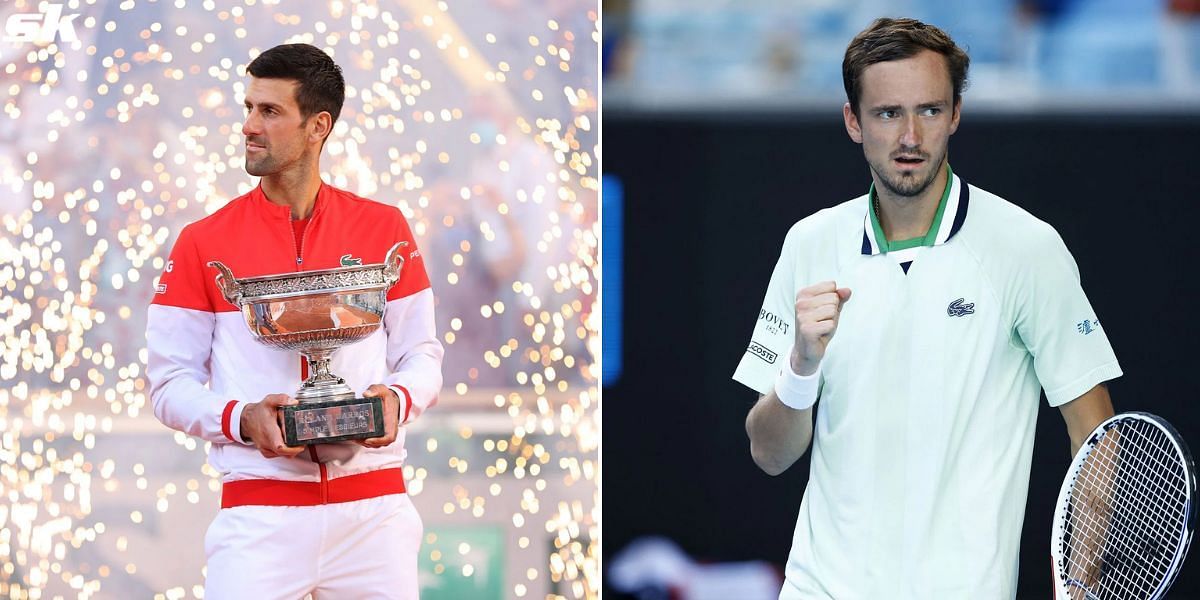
<point x="951" y="213"/>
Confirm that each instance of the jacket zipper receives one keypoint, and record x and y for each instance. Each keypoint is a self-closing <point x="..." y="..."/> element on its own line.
<point x="299" y="249"/>
<point x="312" y="450"/>
<point x="312" y="453"/>
<point x="303" y="238"/>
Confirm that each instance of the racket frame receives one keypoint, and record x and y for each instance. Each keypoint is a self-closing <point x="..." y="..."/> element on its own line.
<point x="1061" y="591"/>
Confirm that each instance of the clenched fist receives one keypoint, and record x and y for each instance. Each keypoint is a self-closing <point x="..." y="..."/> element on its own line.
<point x="817" y="310"/>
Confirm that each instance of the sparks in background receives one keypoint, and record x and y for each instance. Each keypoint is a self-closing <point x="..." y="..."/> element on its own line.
<point x="477" y="119"/>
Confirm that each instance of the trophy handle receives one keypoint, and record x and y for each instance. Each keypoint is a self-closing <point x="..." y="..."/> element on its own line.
<point x="227" y="283"/>
<point x="393" y="263"/>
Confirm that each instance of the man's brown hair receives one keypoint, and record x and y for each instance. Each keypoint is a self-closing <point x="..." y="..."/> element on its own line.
<point x="321" y="88"/>
<point x="898" y="39"/>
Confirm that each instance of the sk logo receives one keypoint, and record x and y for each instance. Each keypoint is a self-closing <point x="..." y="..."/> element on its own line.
<point x="41" y="28"/>
<point x="959" y="309"/>
<point x="348" y="261"/>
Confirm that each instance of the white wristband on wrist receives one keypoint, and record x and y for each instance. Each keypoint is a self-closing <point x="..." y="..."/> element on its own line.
<point x="797" y="391"/>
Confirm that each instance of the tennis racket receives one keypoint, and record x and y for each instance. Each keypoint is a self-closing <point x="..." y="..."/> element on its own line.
<point x="1125" y="513"/>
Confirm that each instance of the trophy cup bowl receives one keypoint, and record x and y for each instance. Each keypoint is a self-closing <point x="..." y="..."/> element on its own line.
<point x="315" y="313"/>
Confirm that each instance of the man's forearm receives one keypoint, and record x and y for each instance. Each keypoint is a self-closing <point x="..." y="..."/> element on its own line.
<point x="176" y="367"/>
<point x="1085" y="413"/>
<point x="779" y="435"/>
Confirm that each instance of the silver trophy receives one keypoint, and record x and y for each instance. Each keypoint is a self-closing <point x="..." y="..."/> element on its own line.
<point x="315" y="313"/>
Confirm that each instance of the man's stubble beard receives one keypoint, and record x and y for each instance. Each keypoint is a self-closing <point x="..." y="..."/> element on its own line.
<point x="261" y="167"/>
<point x="907" y="187"/>
<point x="271" y="165"/>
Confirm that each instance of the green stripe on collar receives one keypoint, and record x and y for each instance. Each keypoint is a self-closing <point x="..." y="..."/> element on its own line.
<point x="930" y="236"/>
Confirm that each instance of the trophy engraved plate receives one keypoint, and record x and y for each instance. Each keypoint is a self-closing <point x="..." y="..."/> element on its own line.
<point x="325" y="422"/>
<point x="315" y="313"/>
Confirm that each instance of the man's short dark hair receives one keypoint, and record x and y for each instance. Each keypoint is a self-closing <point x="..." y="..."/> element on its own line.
<point x="322" y="87"/>
<point x="898" y="39"/>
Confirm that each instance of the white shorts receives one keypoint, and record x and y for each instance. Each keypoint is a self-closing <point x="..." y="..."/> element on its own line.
<point x="361" y="549"/>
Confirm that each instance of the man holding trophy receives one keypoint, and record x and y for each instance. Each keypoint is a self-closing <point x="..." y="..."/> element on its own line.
<point x="293" y="329"/>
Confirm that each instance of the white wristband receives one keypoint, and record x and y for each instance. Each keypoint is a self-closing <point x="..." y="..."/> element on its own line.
<point x="797" y="391"/>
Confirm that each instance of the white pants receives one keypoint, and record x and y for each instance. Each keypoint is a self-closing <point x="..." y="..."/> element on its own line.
<point x="362" y="549"/>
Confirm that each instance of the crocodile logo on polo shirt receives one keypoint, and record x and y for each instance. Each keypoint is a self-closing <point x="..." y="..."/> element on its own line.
<point x="960" y="308"/>
<point x="349" y="261"/>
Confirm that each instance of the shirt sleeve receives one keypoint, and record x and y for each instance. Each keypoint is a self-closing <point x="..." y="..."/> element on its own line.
<point x="773" y="331"/>
<point x="1057" y="325"/>
<point x="414" y="354"/>
<point x="179" y="332"/>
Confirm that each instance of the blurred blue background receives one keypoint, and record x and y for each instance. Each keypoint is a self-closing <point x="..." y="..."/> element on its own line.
<point x="670" y="54"/>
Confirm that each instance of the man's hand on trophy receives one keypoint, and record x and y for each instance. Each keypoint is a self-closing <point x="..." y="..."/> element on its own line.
<point x="261" y="426"/>
<point x="391" y="416"/>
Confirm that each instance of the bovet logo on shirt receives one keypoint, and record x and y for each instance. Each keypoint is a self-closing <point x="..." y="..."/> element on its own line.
<point x="960" y="308"/>
<point x="773" y="323"/>
<point x="761" y="351"/>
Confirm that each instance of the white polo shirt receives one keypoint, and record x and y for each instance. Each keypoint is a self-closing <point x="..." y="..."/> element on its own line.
<point x="925" y="423"/>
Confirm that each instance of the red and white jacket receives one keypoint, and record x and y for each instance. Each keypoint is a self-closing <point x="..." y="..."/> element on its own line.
<point x="204" y="367"/>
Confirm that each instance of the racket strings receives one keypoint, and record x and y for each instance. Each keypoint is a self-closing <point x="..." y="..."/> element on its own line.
<point x="1094" y="502"/>
<point x="1127" y="510"/>
<point x="1117" y="562"/>
<point x="1127" y="557"/>
<point x="1138" y="499"/>
<point x="1094" y="542"/>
